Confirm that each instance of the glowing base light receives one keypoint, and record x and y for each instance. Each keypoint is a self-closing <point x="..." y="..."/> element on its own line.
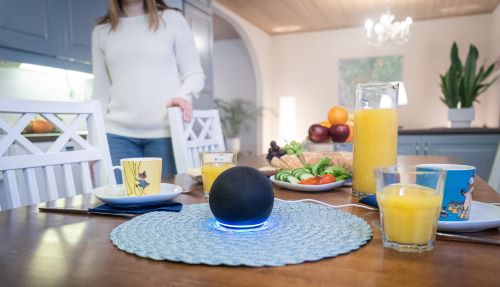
<point x="241" y="228"/>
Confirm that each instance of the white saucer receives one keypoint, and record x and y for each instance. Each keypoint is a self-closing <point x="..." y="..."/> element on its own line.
<point x="306" y="187"/>
<point x="117" y="195"/>
<point x="483" y="216"/>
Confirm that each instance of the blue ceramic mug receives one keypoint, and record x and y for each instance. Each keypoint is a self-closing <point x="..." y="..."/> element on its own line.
<point x="458" y="188"/>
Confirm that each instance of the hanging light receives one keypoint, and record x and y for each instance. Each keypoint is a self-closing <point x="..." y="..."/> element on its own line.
<point x="387" y="30"/>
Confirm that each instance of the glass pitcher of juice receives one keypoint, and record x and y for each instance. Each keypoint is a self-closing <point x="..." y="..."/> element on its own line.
<point x="375" y="133"/>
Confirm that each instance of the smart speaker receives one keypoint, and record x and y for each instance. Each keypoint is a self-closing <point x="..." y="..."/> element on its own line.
<point x="241" y="197"/>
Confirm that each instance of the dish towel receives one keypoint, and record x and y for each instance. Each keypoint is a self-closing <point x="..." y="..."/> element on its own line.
<point x="138" y="208"/>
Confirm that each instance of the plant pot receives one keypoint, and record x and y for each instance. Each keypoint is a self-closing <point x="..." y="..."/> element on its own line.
<point x="461" y="118"/>
<point x="233" y="144"/>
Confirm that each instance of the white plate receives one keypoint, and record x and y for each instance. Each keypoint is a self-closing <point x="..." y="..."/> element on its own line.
<point x="306" y="187"/>
<point x="483" y="216"/>
<point x="118" y="195"/>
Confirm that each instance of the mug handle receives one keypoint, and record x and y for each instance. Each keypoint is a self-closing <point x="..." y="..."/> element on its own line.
<point x="112" y="173"/>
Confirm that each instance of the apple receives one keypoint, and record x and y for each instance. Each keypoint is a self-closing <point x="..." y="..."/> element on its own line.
<point x="318" y="133"/>
<point x="339" y="133"/>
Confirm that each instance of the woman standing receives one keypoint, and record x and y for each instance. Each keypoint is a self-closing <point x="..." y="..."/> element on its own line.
<point x="144" y="60"/>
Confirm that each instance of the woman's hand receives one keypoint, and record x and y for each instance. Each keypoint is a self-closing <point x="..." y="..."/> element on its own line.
<point x="185" y="105"/>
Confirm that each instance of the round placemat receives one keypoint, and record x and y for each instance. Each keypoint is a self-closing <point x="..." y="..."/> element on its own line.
<point x="294" y="233"/>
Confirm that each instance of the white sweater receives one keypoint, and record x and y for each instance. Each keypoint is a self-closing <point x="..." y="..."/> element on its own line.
<point x="137" y="70"/>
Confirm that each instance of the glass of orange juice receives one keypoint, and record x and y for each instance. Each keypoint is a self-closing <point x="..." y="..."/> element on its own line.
<point x="410" y="204"/>
<point x="375" y="133"/>
<point x="213" y="164"/>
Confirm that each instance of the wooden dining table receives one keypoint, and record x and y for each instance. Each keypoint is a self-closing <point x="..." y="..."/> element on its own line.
<point x="65" y="249"/>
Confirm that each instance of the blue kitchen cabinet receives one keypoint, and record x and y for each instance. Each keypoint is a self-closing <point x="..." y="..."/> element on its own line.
<point x="179" y="4"/>
<point x="49" y="32"/>
<point x="28" y="25"/>
<point x="409" y="145"/>
<point x="472" y="149"/>
<point x="77" y="19"/>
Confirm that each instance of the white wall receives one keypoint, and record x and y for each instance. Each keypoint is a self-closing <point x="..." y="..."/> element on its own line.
<point x="493" y="101"/>
<point x="305" y="66"/>
<point x="234" y="78"/>
<point x="258" y="44"/>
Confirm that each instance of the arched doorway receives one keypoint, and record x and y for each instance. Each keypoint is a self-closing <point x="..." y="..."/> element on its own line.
<point x="235" y="76"/>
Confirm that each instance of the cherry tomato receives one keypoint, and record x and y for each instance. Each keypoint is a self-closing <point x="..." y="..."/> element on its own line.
<point x="327" y="178"/>
<point x="310" y="181"/>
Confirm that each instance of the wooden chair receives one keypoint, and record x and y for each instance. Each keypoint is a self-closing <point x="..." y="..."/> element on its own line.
<point x="45" y="175"/>
<point x="202" y="133"/>
<point x="494" y="179"/>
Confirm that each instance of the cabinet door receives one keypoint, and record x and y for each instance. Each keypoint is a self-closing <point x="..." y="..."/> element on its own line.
<point x="476" y="150"/>
<point x="201" y="25"/>
<point x="179" y="4"/>
<point x="409" y="145"/>
<point x="204" y="5"/>
<point x="77" y="21"/>
<point x="28" y="25"/>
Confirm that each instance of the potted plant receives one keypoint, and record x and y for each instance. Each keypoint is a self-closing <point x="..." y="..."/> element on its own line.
<point x="462" y="84"/>
<point x="235" y="114"/>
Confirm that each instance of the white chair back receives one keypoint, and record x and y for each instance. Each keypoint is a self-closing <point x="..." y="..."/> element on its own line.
<point x="202" y="133"/>
<point x="44" y="175"/>
<point x="494" y="180"/>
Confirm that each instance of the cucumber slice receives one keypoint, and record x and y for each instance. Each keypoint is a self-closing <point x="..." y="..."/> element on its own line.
<point x="292" y="179"/>
<point x="305" y="176"/>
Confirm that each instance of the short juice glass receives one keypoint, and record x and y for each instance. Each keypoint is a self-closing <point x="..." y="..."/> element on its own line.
<point x="213" y="164"/>
<point x="410" y="203"/>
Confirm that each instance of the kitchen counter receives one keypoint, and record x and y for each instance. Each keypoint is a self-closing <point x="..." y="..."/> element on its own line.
<point x="442" y="130"/>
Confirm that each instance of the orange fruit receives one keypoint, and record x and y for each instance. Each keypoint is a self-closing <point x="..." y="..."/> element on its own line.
<point x="350" y="138"/>
<point x="338" y="115"/>
<point x="41" y="126"/>
<point x="326" y="123"/>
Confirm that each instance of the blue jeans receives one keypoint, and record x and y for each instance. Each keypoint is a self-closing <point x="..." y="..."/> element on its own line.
<point x="125" y="147"/>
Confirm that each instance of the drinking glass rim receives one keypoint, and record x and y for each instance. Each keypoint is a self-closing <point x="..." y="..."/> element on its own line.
<point x="375" y="84"/>
<point x="219" y="152"/>
<point x="447" y="166"/>
<point x="408" y="169"/>
<point x="141" y="159"/>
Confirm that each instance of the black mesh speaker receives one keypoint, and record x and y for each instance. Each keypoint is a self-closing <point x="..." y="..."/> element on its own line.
<point x="241" y="197"/>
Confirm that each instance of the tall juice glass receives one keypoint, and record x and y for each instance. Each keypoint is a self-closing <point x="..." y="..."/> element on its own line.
<point x="212" y="165"/>
<point x="375" y="134"/>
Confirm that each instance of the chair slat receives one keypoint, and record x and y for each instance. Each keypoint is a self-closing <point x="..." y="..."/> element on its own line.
<point x="86" y="178"/>
<point x="69" y="180"/>
<point x="13" y="187"/>
<point x="30" y="178"/>
<point x="50" y="178"/>
<point x="25" y="161"/>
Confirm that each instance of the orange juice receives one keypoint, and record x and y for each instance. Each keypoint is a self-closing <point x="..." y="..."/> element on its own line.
<point x="210" y="171"/>
<point x="375" y="145"/>
<point x="409" y="213"/>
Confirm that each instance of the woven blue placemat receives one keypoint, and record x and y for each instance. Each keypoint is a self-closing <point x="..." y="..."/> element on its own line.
<point x="296" y="232"/>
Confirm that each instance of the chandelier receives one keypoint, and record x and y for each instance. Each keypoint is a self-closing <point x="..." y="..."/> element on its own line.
<point x="387" y="31"/>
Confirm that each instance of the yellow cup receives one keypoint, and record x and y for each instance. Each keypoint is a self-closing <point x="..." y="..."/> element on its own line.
<point x="141" y="175"/>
